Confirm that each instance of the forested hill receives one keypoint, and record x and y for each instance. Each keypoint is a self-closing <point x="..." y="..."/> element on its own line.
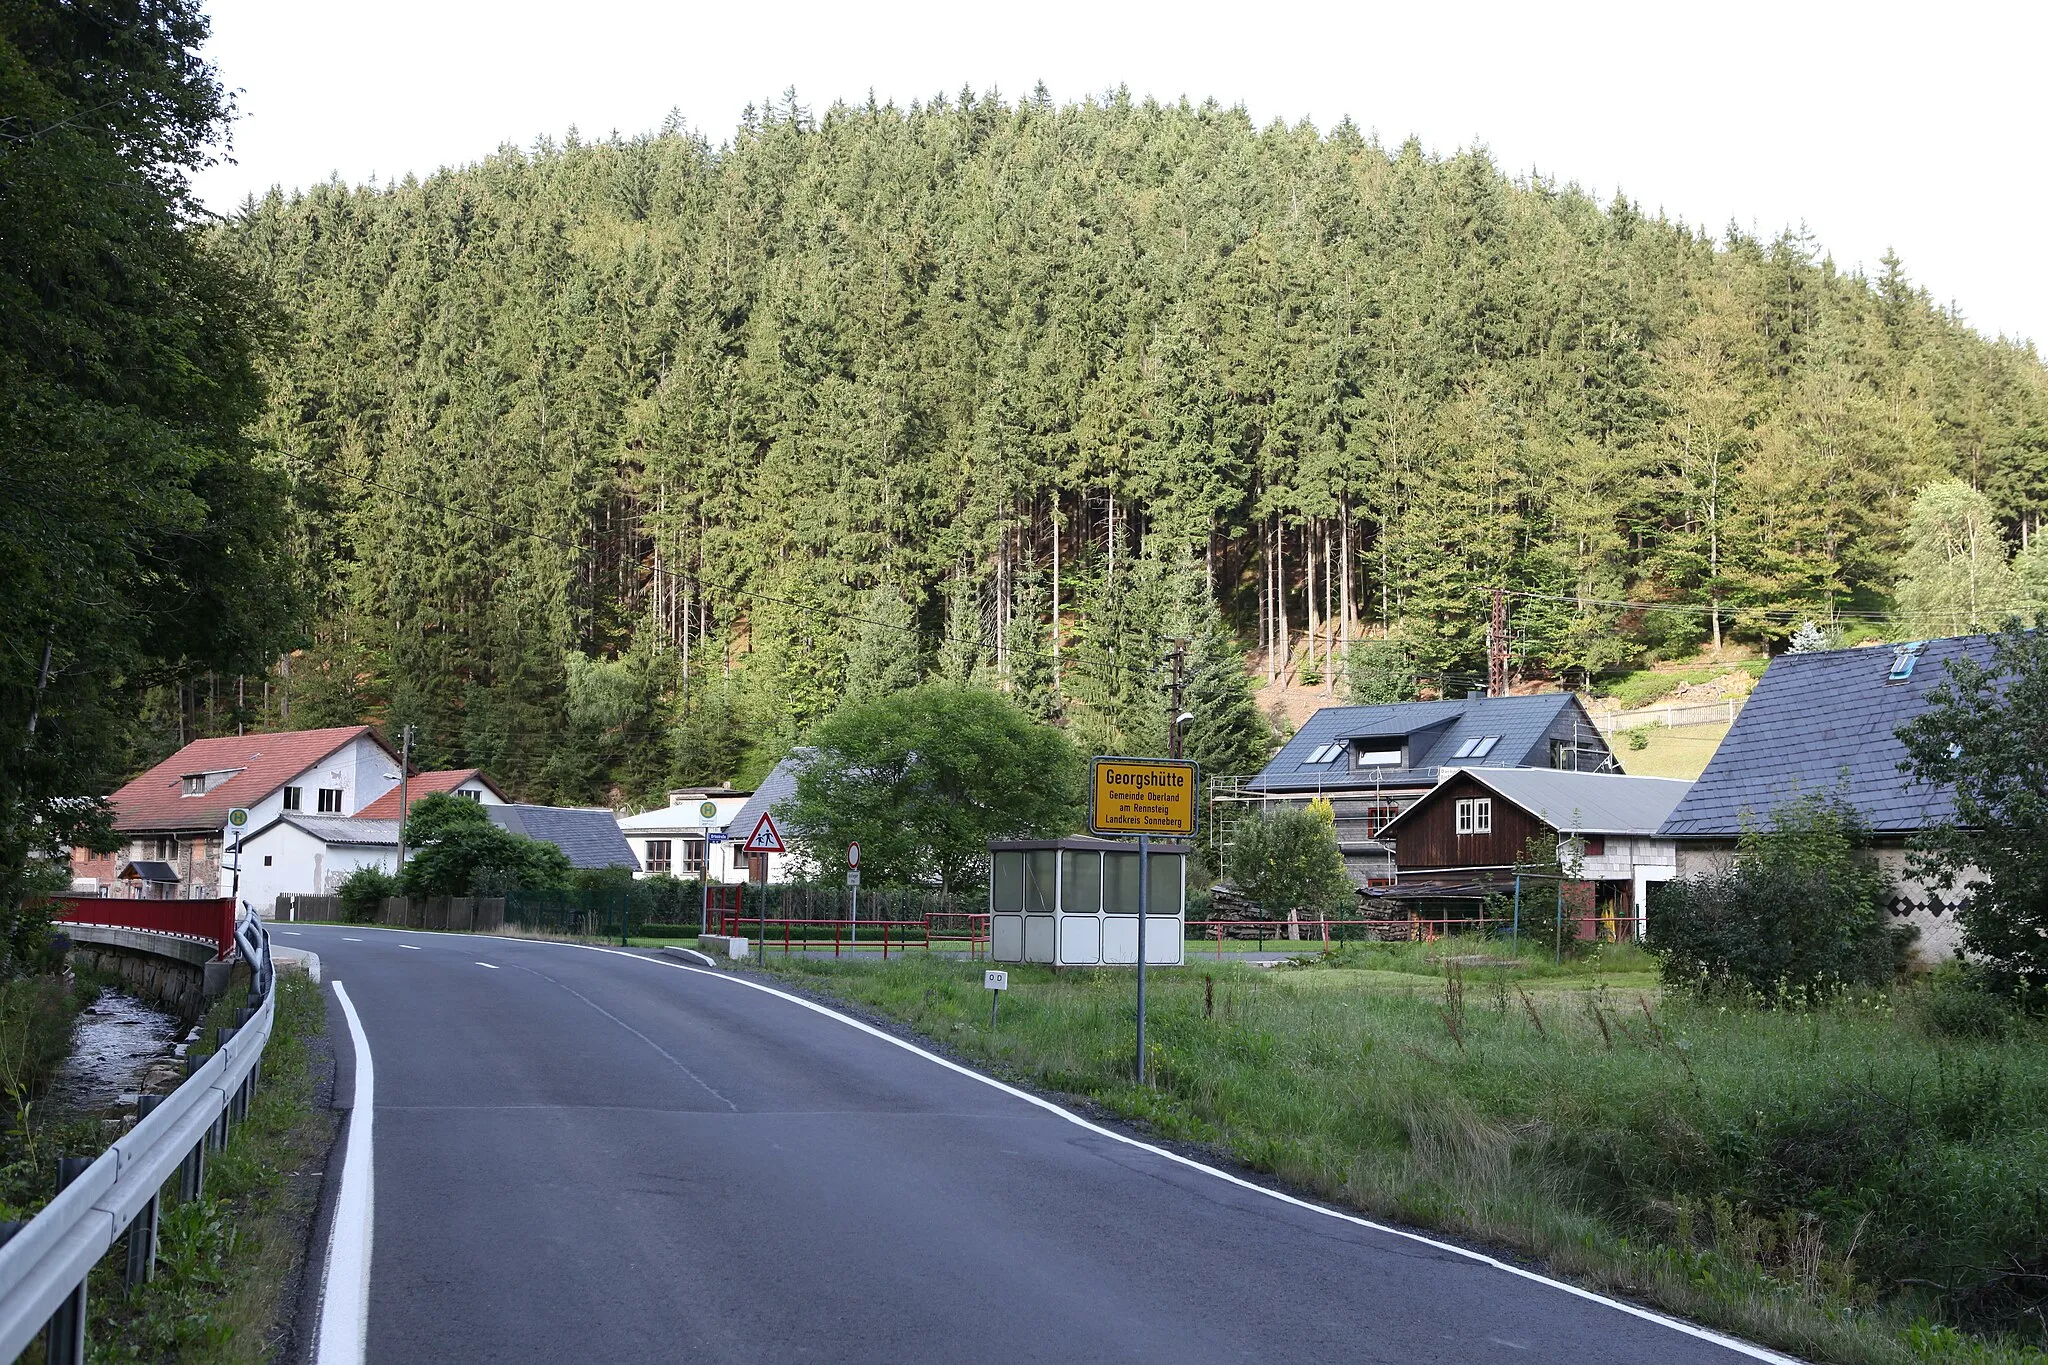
<point x="620" y="463"/>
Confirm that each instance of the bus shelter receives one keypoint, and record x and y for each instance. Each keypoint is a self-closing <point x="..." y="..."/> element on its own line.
<point x="1074" y="903"/>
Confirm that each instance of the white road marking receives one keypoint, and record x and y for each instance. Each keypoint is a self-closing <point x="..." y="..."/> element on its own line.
<point x="293" y="932"/>
<point x="346" y="939"/>
<point x="1739" y="1347"/>
<point x="492" y="965"/>
<point x="414" y="947"/>
<point x="345" y="1293"/>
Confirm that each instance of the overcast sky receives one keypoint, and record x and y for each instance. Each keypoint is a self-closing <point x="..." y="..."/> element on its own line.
<point x="1874" y="125"/>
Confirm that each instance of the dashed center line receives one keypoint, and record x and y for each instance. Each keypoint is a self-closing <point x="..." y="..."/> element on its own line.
<point x="410" y="947"/>
<point x="492" y="965"/>
<point x="346" y="939"/>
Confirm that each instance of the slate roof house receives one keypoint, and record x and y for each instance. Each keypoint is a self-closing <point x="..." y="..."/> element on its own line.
<point x="1373" y="762"/>
<point x="775" y="790"/>
<point x="1827" y="722"/>
<point x="1464" y="839"/>
<point x="589" y="835"/>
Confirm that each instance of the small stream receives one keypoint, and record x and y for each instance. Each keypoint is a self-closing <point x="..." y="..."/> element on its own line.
<point x="118" y="1043"/>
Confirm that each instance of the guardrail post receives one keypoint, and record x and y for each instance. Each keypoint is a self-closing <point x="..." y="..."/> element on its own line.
<point x="64" y="1338"/>
<point x="142" y="1232"/>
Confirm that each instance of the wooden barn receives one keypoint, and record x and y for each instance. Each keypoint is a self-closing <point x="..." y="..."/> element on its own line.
<point x="1471" y="835"/>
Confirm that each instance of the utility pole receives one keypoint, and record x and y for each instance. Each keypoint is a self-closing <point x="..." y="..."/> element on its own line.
<point x="404" y="768"/>
<point x="1497" y="646"/>
<point x="1176" y="661"/>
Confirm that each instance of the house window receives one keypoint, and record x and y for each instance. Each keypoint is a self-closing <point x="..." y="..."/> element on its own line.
<point x="330" y="800"/>
<point x="1378" y="758"/>
<point x="195" y="784"/>
<point x="1378" y="818"/>
<point x="1593" y="845"/>
<point x="1325" y="753"/>
<point x="266" y="860"/>
<point x="1475" y="815"/>
<point x="471" y="794"/>
<point x="657" y="855"/>
<point x="1479" y="746"/>
<point x="1564" y="755"/>
<point x="291" y="798"/>
<point x="693" y="858"/>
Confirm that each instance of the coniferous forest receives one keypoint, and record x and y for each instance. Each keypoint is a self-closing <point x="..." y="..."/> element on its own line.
<point x="621" y="463"/>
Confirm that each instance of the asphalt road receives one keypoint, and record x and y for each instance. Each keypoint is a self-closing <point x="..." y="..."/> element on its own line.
<point x="582" y="1156"/>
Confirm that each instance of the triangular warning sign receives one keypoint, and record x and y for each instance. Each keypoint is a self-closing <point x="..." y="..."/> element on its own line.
<point x="765" y="838"/>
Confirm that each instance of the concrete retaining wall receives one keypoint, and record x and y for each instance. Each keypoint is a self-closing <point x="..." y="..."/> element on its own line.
<point x="178" y="976"/>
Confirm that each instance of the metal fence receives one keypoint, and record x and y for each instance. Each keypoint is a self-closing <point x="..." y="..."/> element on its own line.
<point x="206" y="921"/>
<point x="118" y="1195"/>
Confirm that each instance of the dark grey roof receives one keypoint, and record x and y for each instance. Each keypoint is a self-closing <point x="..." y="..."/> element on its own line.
<point x="1439" y="729"/>
<point x="1578" y="803"/>
<point x="1825" y="722"/>
<point x="589" y="835"/>
<point x="775" y="790"/>
<point x="342" y="829"/>
<point x="147" y="872"/>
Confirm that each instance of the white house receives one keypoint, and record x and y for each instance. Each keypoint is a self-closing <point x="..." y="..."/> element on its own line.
<point x="300" y="855"/>
<point x="176" y="814"/>
<point x="677" y="840"/>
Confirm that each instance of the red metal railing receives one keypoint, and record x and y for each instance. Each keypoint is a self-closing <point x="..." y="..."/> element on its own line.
<point x="208" y="921"/>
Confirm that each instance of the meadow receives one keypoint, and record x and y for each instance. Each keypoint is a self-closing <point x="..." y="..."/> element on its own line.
<point x="1857" y="1180"/>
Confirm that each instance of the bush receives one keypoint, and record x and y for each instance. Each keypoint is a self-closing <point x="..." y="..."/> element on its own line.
<point x="1958" y="1005"/>
<point x="1801" y="912"/>
<point x="363" y="891"/>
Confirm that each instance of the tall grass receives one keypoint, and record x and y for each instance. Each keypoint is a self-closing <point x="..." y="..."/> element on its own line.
<point x="1842" y="1181"/>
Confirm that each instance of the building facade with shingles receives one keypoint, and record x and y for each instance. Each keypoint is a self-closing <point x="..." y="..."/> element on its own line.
<point x="1373" y="762"/>
<point x="1826" y="723"/>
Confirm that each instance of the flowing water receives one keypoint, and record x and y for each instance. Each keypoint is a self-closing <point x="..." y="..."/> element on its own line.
<point x="118" y="1042"/>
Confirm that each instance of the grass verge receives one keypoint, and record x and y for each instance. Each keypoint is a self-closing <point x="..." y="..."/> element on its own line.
<point x="1841" y="1183"/>
<point x="225" y="1259"/>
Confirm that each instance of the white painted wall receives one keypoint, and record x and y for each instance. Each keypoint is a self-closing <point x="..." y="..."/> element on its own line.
<point x="687" y="818"/>
<point x="302" y="865"/>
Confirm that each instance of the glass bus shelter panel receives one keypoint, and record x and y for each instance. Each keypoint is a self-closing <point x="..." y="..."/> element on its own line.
<point x="1080" y="883"/>
<point x="1041" y="881"/>
<point x="1120" y="886"/>
<point x="1006" y="883"/>
<point x="1164" y="890"/>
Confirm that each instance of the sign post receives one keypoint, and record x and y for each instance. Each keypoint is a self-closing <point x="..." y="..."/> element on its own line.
<point x="765" y="839"/>
<point x="238" y="819"/>
<point x="853" y="894"/>
<point x="995" y="983"/>
<point x="1142" y="796"/>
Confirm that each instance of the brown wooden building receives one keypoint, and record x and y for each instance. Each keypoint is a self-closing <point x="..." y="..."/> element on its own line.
<point x="1469" y="837"/>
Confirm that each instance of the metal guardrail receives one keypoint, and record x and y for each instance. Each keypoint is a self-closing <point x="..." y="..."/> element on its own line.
<point x="45" y="1261"/>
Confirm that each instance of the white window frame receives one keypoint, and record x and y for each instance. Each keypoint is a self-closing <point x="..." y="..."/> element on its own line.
<point x="327" y="793"/>
<point x="1475" y="815"/>
<point x="1377" y="758"/>
<point x="294" y="798"/>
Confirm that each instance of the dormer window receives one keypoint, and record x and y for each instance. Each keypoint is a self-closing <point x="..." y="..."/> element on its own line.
<point x="1378" y="758"/>
<point x="199" y="784"/>
<point x="1477" y="747"/>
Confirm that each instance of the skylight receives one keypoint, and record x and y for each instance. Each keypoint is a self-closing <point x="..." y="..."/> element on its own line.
<point x="1324" y="753"/>
<point x="1903" y="659"/>
<point x="1479" y="746"/>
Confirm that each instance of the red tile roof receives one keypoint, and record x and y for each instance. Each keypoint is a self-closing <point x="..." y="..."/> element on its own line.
<point x="267" y="761"/>
<point x="385" y="807"/>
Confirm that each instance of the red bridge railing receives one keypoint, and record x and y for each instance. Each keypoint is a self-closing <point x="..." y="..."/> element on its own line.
<point x="208" y="921"/>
